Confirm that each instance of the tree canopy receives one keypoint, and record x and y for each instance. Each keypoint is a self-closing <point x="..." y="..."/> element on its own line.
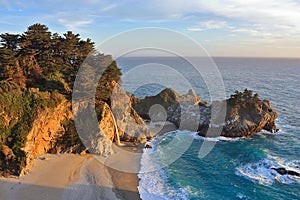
<point x="49" y="61"/>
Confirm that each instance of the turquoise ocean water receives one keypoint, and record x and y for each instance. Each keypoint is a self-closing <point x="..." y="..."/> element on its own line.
<point x="235" y="168"/>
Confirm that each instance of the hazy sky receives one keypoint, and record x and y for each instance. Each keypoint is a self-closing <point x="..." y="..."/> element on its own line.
<point x="267" y="28"/>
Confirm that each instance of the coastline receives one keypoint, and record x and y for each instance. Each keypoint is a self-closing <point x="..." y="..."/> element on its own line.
<point x="126" y="183"/>
<point x="73" y="176"/>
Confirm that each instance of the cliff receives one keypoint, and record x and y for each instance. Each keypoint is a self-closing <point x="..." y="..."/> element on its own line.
<point x="38" y="120"/>
<point x="32" y="123"/>
<point x="44" y="137"/>
<point x="131" y="126"/>
<point x="116" y="122"/>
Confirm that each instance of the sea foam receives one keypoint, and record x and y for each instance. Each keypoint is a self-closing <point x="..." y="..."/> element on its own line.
<point x="214" y="139"/>
<point x="153" y="184"/>
<point x="261" y="172"/>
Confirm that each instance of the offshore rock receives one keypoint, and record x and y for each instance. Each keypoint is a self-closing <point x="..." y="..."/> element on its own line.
<point x="181" y="110"/>
<point x="245" y="113"/>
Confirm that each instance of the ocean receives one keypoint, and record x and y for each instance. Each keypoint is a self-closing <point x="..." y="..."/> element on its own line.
<point x="235" y="168"/>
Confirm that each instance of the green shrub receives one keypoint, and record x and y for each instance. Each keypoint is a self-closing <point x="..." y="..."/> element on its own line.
<point x="21" y="108"/>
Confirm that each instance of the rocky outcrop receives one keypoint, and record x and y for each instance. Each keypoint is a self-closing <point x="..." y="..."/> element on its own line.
<point x="43" y="136"/>
<point x="284" y="171"/>
<point x="107" y="123"/>
<point x="50" y="134"/>
<point x="245" y="118"/>
<point x="131" y="126"/>
<point x="176" y="108"/>
<point x="52" y="129"/>
<point x="118" y="122"/>
<point x="32" y="124"/>
<point x="245" y="113"/>
<point x="96" y="135"/>
<point x="249" y="117"/>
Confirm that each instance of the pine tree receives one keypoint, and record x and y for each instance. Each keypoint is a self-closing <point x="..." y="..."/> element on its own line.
<point x="10" y="41"/>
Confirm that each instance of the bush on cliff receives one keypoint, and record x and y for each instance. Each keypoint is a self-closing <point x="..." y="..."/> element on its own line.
<point x="19" y="108"/>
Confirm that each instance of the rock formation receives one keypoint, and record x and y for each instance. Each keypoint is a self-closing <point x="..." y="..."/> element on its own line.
<point x="284" y="171"/>
<point x="96" y="132"/>
<point x="46" y="135"/>
<point x="174" y="104"/>
<point x="245" y="113"/>
<point x="30" y="132"/>
<point x="131" y="126"/>
<point x="118" y="122"/>
<point x="248" y="117"/>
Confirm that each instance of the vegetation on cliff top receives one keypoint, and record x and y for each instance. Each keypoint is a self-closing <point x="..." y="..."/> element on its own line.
<point x="37" y="71"/>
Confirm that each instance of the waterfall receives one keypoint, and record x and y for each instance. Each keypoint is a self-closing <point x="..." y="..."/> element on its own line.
<point x="116" y="128"/>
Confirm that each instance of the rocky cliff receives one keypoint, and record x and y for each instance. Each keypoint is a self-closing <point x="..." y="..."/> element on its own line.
<point x="52" y="130"/>
<point x="172" y="103"/>
<point x="245" y="113"/>
<point x="33" y="123"/>
<point x="132" y="127"/>
<point x="116" y="122"/>
<point x="44" y="137"/>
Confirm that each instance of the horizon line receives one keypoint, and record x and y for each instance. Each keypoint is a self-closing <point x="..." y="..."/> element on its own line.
<point x="259" y="57"/>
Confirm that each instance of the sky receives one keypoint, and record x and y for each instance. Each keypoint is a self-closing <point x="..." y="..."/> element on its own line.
<point x="243" y="28"/>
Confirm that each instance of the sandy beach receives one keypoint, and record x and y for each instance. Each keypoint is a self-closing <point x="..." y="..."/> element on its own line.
<point x="47" y="179"/>
<point x="67" y="177"/>
<point x="103" y="178"/>
<point x="70" y="176"/>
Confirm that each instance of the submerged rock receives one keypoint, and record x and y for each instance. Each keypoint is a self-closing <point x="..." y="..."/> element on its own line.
<point x="284" y="171"/>
<point x="148" y="146"/>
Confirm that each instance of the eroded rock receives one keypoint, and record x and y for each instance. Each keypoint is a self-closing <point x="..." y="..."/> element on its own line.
<point x="242" y="115"/>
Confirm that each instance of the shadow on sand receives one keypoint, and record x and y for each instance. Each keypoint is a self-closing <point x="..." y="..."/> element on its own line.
<point x="14" y="190"/>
